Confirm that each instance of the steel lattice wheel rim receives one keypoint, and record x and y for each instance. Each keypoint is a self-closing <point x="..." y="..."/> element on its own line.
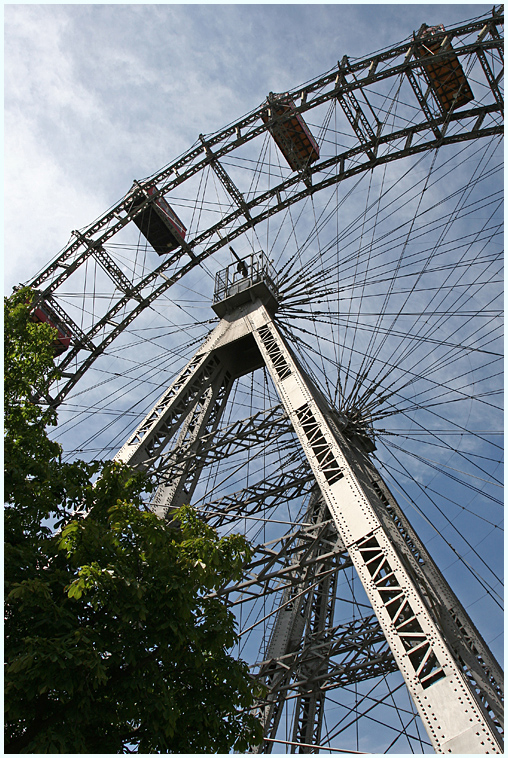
<point x="390" y="282"/>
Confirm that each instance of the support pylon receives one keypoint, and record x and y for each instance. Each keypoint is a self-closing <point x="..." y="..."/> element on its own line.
<point x="453" y="679"/>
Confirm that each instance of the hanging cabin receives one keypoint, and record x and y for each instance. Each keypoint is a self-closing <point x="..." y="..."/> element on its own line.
<point x="290" y="132"/>
<point x="157" y="221"/>
<point x="42" y="314"/>
<point x="446" y="77"/>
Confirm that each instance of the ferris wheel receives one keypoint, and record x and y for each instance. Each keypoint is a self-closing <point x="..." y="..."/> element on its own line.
<point x="340" y="404"/>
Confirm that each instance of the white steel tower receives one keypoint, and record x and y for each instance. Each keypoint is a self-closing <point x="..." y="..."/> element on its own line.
<point x="454" y="681"/>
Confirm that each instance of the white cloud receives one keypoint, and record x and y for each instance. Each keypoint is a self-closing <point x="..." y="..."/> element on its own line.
<point x="97" y="95"/>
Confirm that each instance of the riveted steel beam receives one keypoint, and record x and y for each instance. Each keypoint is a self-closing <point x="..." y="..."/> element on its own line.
<point x="417" y="613"/>
<point x="419" y="645"/>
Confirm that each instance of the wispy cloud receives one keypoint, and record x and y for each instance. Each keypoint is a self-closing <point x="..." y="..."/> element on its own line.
<point x="97" y="95"/>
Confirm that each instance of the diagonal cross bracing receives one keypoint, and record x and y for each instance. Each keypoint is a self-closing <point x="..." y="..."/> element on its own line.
<point x="226" y="441"/>
<point x="264" y="495"/>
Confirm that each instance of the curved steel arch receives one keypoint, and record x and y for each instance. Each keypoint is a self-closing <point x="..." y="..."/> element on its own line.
<point x="340" y="86"/>
<point x="89" y="344"/>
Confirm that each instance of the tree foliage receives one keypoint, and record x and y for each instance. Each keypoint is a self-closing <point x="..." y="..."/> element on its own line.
<point x="112" y="641"/>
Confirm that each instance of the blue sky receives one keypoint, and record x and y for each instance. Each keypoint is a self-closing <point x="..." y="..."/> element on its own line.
<point x="99" y="95"/>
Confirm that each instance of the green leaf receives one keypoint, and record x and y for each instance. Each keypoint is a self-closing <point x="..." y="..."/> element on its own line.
<point x="110" y="642"/>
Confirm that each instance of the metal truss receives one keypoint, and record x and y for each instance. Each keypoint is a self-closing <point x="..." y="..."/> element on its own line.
<point x="243" y="434"/>
<point x="264" y="495"/>
<point x="376" y="144"/>
<point x="203" y="419"/>
<point x="226" y="180"/>
<point x="277" y="566"/>
<point x="352" y="519"/>
<point x="305" y="611"/>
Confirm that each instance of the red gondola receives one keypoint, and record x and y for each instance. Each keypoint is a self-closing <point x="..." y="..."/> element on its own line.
<point x="158" y="222"/>
<point x="447" y="77"/>
<point x="43" y="314"/>
<point x="292" y="135"/>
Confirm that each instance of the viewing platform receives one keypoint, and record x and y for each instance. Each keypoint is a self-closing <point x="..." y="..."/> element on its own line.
<point x="245" y="281"/>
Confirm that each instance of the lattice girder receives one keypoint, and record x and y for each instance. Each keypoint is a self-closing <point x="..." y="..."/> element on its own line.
<point x="378" y="541"/>
<point x="377" y="145"/>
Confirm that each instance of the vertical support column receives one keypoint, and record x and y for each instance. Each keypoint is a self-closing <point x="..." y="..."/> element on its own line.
<point x="296" y="622"/>
<point x="308" y="718"/>
<point x="449" y="708"/>
<point x="203" y="419"/>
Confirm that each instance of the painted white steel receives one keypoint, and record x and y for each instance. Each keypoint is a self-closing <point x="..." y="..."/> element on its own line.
<point x="449" y="720"/>
<point x="449" y="709"/>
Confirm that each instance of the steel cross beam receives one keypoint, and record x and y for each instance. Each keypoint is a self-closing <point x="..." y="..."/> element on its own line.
<point x="225" y="179"/>
<point x="356" y="651"/>
<point x="492" y="80"/>
<point x="422" y="100"/>
<point x="107" y="264"/>
<point x="264" y="495"/>
<point x="219" y="444"/>
<point x="279" y="566"/>
<point x="449" y="682"/>
<point x="356" y="116"/>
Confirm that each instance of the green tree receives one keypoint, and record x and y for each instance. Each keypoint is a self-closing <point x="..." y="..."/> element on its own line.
<point x="112" y="642"/>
